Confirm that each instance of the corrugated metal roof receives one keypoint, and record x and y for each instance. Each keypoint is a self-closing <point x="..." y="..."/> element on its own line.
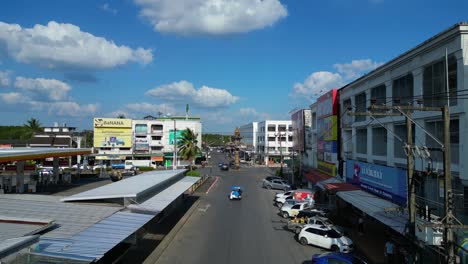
<point x="15" y="154"/>
<point x="321" y="184"/>
<point x="12" y="243"/>
<point x="128" y="188"/>
<point x="70" y="218"/>
<point x="377" y="208"/>
<point x="160" y="201"/>
<point x="92" y="243"/>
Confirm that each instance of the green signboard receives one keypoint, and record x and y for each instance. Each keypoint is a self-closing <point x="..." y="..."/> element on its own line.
<point x="171" y="136"/>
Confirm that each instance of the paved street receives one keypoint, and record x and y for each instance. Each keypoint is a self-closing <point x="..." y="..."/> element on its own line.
<point x="246" y="231"/>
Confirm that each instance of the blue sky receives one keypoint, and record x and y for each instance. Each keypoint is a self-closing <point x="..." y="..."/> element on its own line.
<point x="233" y="61"/>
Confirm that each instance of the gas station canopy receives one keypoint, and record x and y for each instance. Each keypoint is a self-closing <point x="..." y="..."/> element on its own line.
<point x="18" y="154"/>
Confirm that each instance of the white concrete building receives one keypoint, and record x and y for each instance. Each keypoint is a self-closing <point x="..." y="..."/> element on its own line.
<point x="152" y="140"/>
<point x="309" y="157"/>
<point x="274" y="141"/>
<point x="417" y="78"/>
<point x="248" y="133"/>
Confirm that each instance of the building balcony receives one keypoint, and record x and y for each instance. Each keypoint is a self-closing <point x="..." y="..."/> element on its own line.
<point x="157" y="132"/>
<point x="156" y="143"/>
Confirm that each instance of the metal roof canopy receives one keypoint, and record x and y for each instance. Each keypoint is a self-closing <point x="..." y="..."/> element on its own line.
<point x="94" y="242"/>
<point x="18" y="154"/>
<point x="70" y="218"/>
<point x="160" y="201"/>
<point x="131" y="187"/>
<point x="378" y="208"/>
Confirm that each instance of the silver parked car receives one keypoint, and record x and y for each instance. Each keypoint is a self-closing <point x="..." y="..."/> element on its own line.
<point x="276" y="184"/>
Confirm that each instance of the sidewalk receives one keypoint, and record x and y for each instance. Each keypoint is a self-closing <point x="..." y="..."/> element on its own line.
<point x="371" y="243"/>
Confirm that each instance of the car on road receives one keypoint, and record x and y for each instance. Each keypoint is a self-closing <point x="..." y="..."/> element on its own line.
<point x="220" y="164"/>
<point x="325" y="237"/>
<point x="333" y="257"/>
<point x="236" y="193"/>
<point x="276" y="184"/>
<point x="292" y="210"/>
<point x="270" y="178"/>
<point x="225" y="167"/>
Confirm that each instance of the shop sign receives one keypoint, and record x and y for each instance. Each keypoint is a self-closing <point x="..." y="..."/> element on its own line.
<point x="386" y="182"/>
<point x="327" y="104"/>
<point x="327" y="128"/>
<point x="327" y="168"/>
<point x="112" y="122"/>
<point x="171" y="136"/>
<point x="113" y="137"/>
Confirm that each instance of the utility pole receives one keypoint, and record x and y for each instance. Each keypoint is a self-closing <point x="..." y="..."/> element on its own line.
<point x="449" y="244"/>
<point x="410" y="162"/>
<point x="449" y="219"/>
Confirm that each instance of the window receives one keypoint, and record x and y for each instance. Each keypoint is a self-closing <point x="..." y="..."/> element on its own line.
<point x="400" y="130"/>
<point x="361" y="141"/>
<point x="314" y="120"/>
<point x="156" y="127"/>
<point x="282" y="128"/>
<point x="141" y="129"/>
<point x="402" y="90"/>
<point x="379" y="141"/>
<point x="436" y="128"/>
<point x="271" y="139"/>
<point x="346" y="119"/>
<point x="271" y="128"/>
<point x="297" y="206"/>
<point x="434" y="83"/>
<point x="156" y="137"/>
<point x="290" y="138"/>
<point x="379" y="97"/>
<point x="360" y="106"/>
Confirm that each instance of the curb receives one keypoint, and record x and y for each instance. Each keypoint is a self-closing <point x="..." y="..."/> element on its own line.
<point x="216" y="180"/>
<point x="159" y="250"/>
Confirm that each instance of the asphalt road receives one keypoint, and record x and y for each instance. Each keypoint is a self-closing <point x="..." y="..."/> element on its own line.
<point x="246" y="231"/>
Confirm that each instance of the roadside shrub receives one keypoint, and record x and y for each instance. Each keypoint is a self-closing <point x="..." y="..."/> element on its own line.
<point x="194" y="173"/>
<point x="145" y="168"/>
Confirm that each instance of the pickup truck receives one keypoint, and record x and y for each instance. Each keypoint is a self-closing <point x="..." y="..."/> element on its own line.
<point x="298" y="223"/>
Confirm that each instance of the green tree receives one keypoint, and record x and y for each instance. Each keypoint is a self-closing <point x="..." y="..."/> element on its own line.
<point x="32" y="126"/>
<point x="121" y="116"/>
<point x="187" y="145"/>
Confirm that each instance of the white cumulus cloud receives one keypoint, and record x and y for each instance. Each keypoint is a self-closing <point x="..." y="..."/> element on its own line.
<point x="13" y="98"/>
<point x="213" y="17"/>
<point x="356" y="68"/>
<point x="72" y="109"/>
<point x="317" y="84"/>
<point x="4" y="78"/>
<point x="184" y="92"/>
<point x="320" y="82"/>
<point x="59" y="45"/>
<point x="106" y="7"/>
<point x="252" y="113"/>
<point x="149" y="109"/>
<point x="50" y="88"/>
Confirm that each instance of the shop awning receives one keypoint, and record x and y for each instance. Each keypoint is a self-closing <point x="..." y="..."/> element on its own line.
<point x="315" y="176"/>
<point x="321" y="184"/>
<point x="340" y="187"/>
<point x="160" y="158"/>
<point x="388" y="213"/>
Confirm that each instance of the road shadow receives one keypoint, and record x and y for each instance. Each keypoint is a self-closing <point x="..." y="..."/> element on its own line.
<point x="307" y="262"/>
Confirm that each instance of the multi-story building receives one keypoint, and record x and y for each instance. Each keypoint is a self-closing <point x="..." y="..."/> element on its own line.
<point x="147" y="142"/>
<point x="433" y="74"/>
<point x="274" y="141"/>
<point x="248" y="133"/>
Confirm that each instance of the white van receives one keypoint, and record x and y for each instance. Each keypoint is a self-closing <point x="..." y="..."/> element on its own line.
<point x="128" y="165"/>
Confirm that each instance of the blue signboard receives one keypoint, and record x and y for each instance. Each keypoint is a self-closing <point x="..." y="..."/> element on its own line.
<point x="386" y="182"/>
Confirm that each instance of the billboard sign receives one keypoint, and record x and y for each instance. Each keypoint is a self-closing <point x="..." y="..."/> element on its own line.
<point x="297" y="120"/>
<point x="327" y="128"/>
<point x="113" y="137"/>
<point x="387" y="182"/>
<point x="327" y="104"/>
<point x="327" y="168"/>
<point x="171" y="136"/>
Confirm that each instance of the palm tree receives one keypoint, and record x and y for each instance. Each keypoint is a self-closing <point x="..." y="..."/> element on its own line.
<point x="187" y="144"/>
<point x="32" y="126"/>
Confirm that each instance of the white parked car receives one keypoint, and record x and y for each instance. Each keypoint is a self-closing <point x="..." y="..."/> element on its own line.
<point x="283" y="194"/>
<point x="289" y="210"/>
<point x="325" y="237"/>
<point x="281" y="200"/>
